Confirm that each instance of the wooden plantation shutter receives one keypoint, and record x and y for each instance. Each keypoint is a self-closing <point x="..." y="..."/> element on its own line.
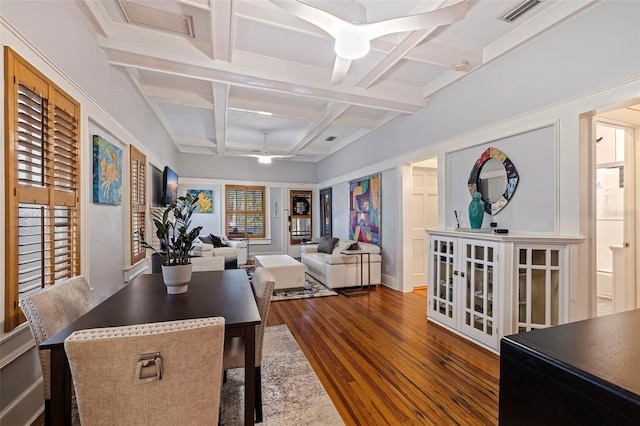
<point x="138" y="165"/>
<point x="42" y="184"/>
<point x="245" y="215"/>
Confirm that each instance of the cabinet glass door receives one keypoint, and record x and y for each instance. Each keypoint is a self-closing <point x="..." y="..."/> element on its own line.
<point x="538" y="292"/>
<point x="478" y="321"/>
<point x="441" y="283"/>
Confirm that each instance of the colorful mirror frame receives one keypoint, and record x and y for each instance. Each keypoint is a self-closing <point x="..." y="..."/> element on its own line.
<point x="512" y="179"/>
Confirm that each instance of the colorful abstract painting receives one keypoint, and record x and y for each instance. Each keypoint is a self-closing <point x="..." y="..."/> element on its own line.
<point x="204" y="197"/>
<point x="107" y="172"/>
<point x="364" y="208"/>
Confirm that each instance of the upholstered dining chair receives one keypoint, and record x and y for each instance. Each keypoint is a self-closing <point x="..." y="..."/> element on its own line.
<point x="166" y="373"/>
<point x="209" y="263"/>
<point x="262" y="284"/>
<point x="49" y="311"/>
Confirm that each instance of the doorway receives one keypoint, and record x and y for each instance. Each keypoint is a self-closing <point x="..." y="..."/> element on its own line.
<point x="616" y="137"/>
<point x="424" y="214"/>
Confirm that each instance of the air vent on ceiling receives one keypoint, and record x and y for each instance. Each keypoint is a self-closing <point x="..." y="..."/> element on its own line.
<point x="331" y="138"/>
<point x="520" y="10"/>
<point x="136" y="13"/>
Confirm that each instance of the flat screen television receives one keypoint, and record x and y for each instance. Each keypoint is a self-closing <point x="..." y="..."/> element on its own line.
<point x="170" y="186"/>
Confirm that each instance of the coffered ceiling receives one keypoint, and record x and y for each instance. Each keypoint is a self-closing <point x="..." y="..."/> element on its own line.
<point x="219" y="72"/>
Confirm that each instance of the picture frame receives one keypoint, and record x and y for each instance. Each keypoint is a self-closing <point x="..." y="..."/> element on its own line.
<point x="107" y="172"/>
<point x="205" y="200"/>
<point x="364" y="209"/>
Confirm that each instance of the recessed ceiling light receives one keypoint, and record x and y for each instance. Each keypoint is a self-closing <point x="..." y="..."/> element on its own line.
<point x="331" y="138"/>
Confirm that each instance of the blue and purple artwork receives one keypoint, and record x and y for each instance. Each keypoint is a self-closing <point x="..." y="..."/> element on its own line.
<point x="107" y="172"/>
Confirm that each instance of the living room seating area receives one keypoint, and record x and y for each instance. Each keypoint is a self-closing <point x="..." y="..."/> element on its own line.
<point x="324" y="262"/>
<point x="211" y="245"/>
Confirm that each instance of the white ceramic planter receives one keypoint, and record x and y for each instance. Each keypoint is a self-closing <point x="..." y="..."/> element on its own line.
<point x="177" y="278"/>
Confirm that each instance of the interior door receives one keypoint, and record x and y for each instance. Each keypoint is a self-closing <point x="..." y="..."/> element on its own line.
<point x="424" y="204"/>
<point x="300" y="220"/>
<point x="626" y="299"/>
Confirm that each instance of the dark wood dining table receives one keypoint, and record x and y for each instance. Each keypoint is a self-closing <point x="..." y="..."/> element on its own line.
<point x="225" y="294"/>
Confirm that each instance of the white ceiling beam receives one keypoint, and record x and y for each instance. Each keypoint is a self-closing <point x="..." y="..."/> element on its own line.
<point x="220" y="104"/>
<point x="221" y="30"/>
<point x="354" y="96"/>
<point x="136" y="80"/>
<point x="96" y="15"/>
<point x="176" y="96"/>
<point x="194" y="141"/>
<point x="281" y="110"/>
<point x="333" y="112"/>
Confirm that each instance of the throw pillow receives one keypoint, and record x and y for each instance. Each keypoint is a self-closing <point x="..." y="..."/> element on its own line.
<point x="206" y="239"/>
<point x="327" y="244"/>
<point x="216" y="241"/>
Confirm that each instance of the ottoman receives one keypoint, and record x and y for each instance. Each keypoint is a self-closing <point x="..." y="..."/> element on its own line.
<point x="288" y="272"/>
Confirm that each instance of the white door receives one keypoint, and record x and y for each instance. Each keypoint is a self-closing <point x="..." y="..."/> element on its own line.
<point x="625" y="293"/>
<point x="424" y="205"/>
<point x="616" y="158"/>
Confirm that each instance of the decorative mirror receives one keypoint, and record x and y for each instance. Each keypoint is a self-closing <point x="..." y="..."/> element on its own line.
<point x="495" y="177"/>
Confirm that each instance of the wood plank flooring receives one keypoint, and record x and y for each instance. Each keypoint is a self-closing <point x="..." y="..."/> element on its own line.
<point x="382" y="363"/>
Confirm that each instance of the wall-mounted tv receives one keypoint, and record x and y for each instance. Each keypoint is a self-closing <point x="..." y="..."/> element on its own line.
<point x="170" y="186"/>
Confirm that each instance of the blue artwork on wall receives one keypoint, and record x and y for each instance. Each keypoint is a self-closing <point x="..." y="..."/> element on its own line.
<point x="107" y="172"/>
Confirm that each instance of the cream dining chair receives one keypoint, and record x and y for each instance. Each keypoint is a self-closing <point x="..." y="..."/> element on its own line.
<point x="262" y="284"/>
<point x="49" y="311"/>
<point x="166" y="373"/>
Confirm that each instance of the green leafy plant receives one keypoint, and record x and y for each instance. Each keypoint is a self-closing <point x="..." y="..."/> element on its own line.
<point x="172" y="229"/>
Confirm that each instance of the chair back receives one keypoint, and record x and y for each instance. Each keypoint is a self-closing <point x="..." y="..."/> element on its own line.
<point x="167" y="373"/>
<point x="52" y="309"/>
<point x="209" y="263"/>
<point x="263" y="283"/>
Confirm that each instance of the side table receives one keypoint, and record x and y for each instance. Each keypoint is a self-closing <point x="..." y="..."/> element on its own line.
<point x="361" y="290"/>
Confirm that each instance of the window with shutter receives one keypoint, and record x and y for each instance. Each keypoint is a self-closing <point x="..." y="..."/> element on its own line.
<point x="42" y="184"/>
<point x="245" y="211"/>
<point x="138" y="164"/>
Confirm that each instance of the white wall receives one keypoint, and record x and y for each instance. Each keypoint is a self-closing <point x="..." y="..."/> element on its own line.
<point x="68" y="55"/>
<point x="106" y="232"/>
<point x="533" y="205"/>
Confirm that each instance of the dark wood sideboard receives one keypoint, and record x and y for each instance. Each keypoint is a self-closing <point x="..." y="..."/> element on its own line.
<point x="581" y="373"/>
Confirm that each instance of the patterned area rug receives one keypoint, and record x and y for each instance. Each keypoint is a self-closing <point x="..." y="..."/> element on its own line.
<point x="312" y="288"/>
<point x="291" y="392"/>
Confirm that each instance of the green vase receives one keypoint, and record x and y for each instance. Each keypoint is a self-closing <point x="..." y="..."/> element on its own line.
<point x="476" y="211"/>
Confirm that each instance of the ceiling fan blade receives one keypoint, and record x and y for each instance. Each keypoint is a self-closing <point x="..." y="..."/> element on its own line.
<point x="434" y="18"/>
<point x="318" y="17"/>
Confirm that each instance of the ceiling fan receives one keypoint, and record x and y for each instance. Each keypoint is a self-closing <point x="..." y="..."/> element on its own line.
<point x="264" y="156"/>
<point x="352" y="32"/>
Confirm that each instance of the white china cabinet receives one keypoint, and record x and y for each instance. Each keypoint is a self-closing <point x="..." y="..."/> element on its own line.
<point x="483" y="286"/>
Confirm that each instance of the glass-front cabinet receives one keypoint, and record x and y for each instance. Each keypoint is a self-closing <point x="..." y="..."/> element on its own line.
<point x="462" y="286"/>
<point x="480" y="258"/>
<point x="441" y="288"/>
<point x="538" y="292"/>
<point x="483" y="286"/>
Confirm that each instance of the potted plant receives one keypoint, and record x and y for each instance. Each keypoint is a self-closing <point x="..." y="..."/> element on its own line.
<point x="176" y="242"/>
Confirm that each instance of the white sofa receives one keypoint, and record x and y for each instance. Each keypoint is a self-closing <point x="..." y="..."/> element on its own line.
<point x="237" y="249"/>
<point x="337" y="270"/>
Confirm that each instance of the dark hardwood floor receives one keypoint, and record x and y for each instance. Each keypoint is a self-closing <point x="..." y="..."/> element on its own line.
<point x="382" y="363"/>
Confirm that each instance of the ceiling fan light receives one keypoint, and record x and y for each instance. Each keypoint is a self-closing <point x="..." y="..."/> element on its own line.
<point x="264" y="160"/>
<point x="352" y="45"/>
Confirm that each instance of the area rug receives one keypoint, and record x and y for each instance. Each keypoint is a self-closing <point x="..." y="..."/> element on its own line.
<point x="291" y="392"/>
<point x="312" y="288"/>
